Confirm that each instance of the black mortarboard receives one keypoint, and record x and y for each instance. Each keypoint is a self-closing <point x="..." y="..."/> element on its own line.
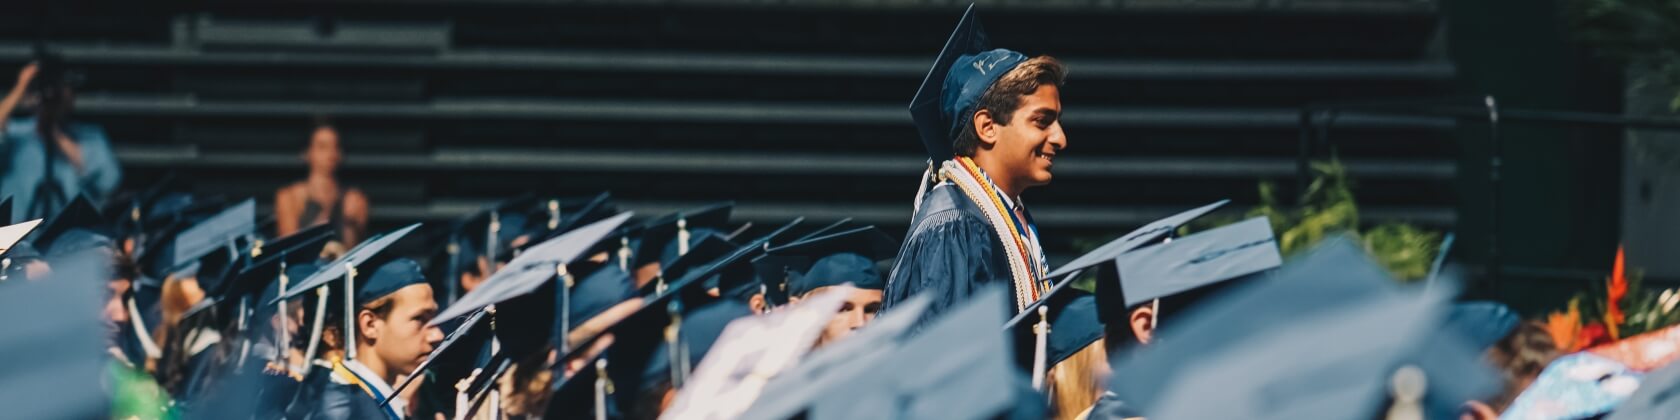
<point x="532" y="268"/>
<point x="79" y="214"/>
<point x="658" y="241"/>
<point x="455" y="356"/>
<point x="839" y="258"/>
<point x="1195" y="262"/>
<point x="1347" y="362"/>
<point x="705" y="249"/>
<point x="201" y="242"/>
<point x="741" y="280"/>
<point x="637" y="337"/>
<point x="6" y="211"/>
<point x="358" y="257"/>
<point x="1145" y="235"/>
<point x="962" y="366"/>
<point x="1333" y="282"/>
<point x="701" y="328"/>
<point x="966" y="67"/>
<point x="1484" y="323"/>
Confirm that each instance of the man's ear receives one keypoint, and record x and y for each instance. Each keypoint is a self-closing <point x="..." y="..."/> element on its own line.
<point x="1143" y="323"/>
<point x="368" y="324"/>
<point x="985" y="127"/>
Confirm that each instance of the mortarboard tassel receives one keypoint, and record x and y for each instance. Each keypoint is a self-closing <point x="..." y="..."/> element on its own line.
<point x="678" y="353"/>
<point x="1041" y="336"/>
<point x="682" y="237"/>
<point x="553" y="214"/>
<point x="603" y="387"/>
<point x="349" y="311"/>
<point x="1408" y="386"/>
<point x="566" y="283"/>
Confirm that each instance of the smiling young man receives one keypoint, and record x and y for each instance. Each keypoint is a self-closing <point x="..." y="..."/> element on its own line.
<point x="990" y="119"/>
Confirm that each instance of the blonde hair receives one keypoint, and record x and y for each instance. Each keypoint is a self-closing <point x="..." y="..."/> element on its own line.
<point x="1077" y="383"/>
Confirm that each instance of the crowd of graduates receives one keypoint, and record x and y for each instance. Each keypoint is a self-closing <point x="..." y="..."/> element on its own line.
<point x="568" y="307"/>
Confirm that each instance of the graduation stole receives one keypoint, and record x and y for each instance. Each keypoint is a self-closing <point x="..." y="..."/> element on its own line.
<point x="349" y="375"/>
<point x="1018" y="233"/>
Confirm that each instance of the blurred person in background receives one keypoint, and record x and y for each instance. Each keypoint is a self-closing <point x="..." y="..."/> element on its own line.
<point x="321" y="198"/>
<point x="48" y="158"/>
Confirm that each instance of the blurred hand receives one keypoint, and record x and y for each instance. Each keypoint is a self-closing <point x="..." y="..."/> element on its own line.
<point x="26" y="75"/>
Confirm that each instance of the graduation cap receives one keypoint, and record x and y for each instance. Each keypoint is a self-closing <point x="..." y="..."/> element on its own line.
<point x="13" y="251"/>
<point x="637" y="337"/>
<point x="1145" y="235"/>
<point x="6" y="210"/>
<point x="54" y="348"/>
<point x="1483" y="322"/>
<point x="701" y="328"/>
<point x="839" y="258"/>
<point x="961" y="363"/>
<point x="1383" y="354"/>
<point x="1658" y="395"/>
<point x="1191" y="263"/>
<point x="13" y="234"/>
<point x="1578" y="386"/>
<point x="79" y="214"/>
<point x="664" y="239"/>
<point x="264" y="276"/>
<point x="1333" y="281"/>
<point x="531" y="269"/>
<point x="966" y="67"/>
<point x="741" y="280"/>
<point x="345" y="268"/>
<point x="201" y="242"/>
<point x="774" y="271"/>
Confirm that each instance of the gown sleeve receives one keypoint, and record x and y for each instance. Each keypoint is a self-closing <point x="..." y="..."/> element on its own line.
<point x="947" y="257"/>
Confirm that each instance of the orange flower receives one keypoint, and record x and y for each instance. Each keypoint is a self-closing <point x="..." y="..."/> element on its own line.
<point x="1565" y="326"/>
<point x="1617" y="289"/>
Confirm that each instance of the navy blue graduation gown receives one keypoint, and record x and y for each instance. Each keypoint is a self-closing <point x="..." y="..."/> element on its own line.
<point x="950" y="253"/>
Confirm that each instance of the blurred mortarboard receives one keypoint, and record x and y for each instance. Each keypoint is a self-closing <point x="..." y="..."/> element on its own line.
<point x="79" y="214"/>
<point x="658" y="242"/>
<point x="359" y="257"/>
<point x="1483" y="322"/>
<point x="53" y="351"/>
<point x="1658" y="395"/>
<point x="1343" y="363"/>
<point x="1145" y="235"/>
<point x="741" y="280"/>
<point x="962" y="366"/>
<point x="527" y="272"/>
<point x="774" y="271"/>
<point x="831" y="365"/>
<point x="12" y="235"/>
<point x="700" y="329"/>
<point x="839" y="258"/>
<point x="200" y="243"/>
<point x="965" y="68"/>
<point x="261" y="278"/>
<point x="1191" y="263"/>
<point x="6" y="211"/>
<point x="1578" y="386"/>
<point x="706" y="248"/>
<point x="636" y="338"/>
<point x="1332" y="281"/>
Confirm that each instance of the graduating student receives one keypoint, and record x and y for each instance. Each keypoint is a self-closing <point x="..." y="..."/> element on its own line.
<point x="847" y="257"/>
<point x="990" y="120"/>
<point x="389" y="312"/>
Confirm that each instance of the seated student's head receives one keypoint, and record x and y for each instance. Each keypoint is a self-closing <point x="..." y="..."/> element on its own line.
<point x="391" y="328"/>
<point x="1520" y="357"/>
<point x="858" y="307"/>
<point x="857" y="310"/>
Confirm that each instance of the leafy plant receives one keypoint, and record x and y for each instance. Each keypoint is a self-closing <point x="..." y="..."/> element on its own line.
<point x="1328" y="208"/>
<point x="1645" y="31"/>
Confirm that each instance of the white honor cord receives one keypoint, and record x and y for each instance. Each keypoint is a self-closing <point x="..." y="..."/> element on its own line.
<point x="321" y="295"/>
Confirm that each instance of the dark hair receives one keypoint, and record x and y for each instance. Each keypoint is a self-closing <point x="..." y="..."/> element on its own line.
<point x="1004" y="97"/>
<point x="1520" y="356"/>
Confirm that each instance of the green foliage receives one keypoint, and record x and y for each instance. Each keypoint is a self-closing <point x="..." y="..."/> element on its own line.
<point x="1635" y="30"/>
<point x="1328" y="208"/>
